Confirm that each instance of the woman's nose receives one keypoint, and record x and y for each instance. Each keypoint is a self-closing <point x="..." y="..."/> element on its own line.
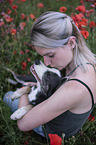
<point x="46" y="60"/>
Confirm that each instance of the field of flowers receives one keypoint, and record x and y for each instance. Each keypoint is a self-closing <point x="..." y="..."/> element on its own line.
<point x="16" y="19"/>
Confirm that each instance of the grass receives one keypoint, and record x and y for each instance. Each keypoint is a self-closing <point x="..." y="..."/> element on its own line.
<point x="16" y="53"/>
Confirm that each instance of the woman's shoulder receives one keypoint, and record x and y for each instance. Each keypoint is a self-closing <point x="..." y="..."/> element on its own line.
<point x="77" y="91"/>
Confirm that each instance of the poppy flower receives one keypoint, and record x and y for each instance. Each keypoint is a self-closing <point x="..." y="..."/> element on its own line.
<point x="87" y="0"/>
<point x="23" y="0"/>
<point x="32" y="16"/>
<point x="28" y="59"/>
<point x="14" y="52"/>
<point x="79" y="16"/>
<point x="40" y="5"/>
<point x="83" y="23"/>
<point x="85" y="33"/>
<point x="91" y="118"/>
<point x="14" y="7"/>
<point x="1" y="24"/>
<point x="26" y="50"/>
<point x="55" y="139"/>
<point x="22" y="16"/>
<point x="13" y="31"/>
<point x="92" y="24"/>
<point x="63" y="9"/>
<point x="95" y="3"/>
<point x="24" y="65"/>
<point x="81" y="1"/>
<point x="10" y="1"/>
<point x="8" y="11"/>
<point x="91" y="11"/>
<point x="22" y="25"/>
<point x="26" y="142"/>
<point x="81" y="8"/>
<point x="8" y="19"/>
<point x="21" y="52"/>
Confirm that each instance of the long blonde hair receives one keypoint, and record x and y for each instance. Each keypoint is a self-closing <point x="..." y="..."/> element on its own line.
<point x="53" y="29"/>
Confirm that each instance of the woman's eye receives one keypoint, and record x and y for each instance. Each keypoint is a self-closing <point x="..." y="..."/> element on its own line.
<point x="51" y="56"/>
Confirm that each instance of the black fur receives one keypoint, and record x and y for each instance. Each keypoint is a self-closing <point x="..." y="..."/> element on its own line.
<point x="49" y="84"/>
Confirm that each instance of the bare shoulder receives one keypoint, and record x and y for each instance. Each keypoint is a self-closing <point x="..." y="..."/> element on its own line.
<point x="68" y="96"/>
<point x="74" y="96"/>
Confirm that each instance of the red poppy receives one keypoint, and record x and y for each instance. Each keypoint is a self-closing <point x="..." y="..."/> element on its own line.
<point x="83" y="23"/>
<point x="8" y="11"/>
<point x="1" y="24"/>
<point x="23" y="0"/>
<point x="92" y="24"/>
<point x="32" y="16"/>
<point x="8" y="18"/>
<point x="91" y="11"/>
<point x="26" y="142"/>
<point x="13" y="31"/>
<point x="81" y="1"/>
<point x="40" y="5"/>
<point x="63" y="9"/>
<point x="55" y="139"/>
<point x="27" y="18"/>
<point x="95" y="3"/>
<point x="24" y="65"/>
<point x="81" y="8"/>
<point x="91" y="118"/>
<point x="79" y="16"/>
<point x="10" y="1"/>
<point x="22" y="16"/>
<point x="14" y="7"/>
<point x="22" y="25"/>
<point x="14" y="52"/>
<point x="85" y="33"/>
<point x="28" y="59"/>
<point x="21" y="52"/>
<point x="26" y="50"/>
<point x="18" y="1"/>
<point x="87" y="0"/>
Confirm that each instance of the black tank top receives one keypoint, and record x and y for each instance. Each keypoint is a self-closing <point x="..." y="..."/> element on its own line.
<point x="69" y="123"/>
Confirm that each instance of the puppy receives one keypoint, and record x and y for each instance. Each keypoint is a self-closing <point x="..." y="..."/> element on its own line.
<point x="48" y="80"/>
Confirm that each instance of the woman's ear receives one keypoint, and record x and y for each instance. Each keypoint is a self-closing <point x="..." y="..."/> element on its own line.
<point x="72" y="42"/>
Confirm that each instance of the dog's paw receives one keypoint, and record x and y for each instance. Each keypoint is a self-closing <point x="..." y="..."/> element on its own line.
<point x="18" y="114"/>
<point x="32" y="95"/>
<point x="20" y="92"/>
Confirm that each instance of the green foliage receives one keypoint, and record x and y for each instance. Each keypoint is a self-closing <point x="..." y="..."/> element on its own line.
<point x="17" y="54"/>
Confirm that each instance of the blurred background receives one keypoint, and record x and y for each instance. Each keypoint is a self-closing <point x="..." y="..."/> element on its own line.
<point x="16" y="53"/>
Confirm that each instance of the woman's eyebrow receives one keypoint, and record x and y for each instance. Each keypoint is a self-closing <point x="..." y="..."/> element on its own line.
<point x="47" y="53"/>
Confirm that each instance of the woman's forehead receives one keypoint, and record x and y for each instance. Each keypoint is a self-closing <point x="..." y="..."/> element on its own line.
<point x="44" y="51"/>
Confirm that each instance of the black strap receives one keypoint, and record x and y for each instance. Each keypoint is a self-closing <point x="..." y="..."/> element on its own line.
<point x="79" y="66"/>
<point x="86" y="87"/>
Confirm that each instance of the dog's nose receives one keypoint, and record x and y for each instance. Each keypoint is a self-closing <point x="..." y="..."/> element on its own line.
<point x="37" y="62"/>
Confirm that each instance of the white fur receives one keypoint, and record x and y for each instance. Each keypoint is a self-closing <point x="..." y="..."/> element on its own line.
<point x="40" y="71"/>
<point x="20" y="112"/>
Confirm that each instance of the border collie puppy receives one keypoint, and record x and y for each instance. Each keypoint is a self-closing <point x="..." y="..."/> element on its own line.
<point x="48" y="80"/>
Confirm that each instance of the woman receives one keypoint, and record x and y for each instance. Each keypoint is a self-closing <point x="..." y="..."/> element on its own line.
<point x="58" y="40"/>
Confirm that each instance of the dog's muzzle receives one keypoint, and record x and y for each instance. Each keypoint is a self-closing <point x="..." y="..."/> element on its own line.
<point x="32" y="69"/>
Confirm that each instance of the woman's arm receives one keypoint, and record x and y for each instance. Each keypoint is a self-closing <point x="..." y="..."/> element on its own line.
<point x="65" y="98"/>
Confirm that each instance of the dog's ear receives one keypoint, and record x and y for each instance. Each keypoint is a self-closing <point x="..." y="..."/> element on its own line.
<point x="50" y="81"/>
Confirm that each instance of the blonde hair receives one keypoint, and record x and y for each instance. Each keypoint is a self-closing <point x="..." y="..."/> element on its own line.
<point x="53" y="29"/>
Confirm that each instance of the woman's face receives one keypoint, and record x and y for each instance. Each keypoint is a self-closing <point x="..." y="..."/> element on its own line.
<point x="58" y="57"/>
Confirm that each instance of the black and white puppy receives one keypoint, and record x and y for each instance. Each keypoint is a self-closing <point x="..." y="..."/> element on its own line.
<point x="48" y="80"/>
